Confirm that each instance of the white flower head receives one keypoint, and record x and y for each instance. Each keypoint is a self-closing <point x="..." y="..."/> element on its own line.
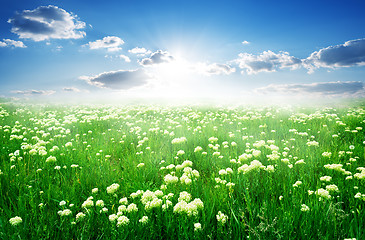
<point x="15" y="221"/>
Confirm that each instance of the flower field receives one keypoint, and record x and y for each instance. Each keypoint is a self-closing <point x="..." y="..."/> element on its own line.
<point x="193" y="172"/>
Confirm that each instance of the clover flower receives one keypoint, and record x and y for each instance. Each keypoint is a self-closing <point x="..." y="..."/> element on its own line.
<point x="88" y="203"/>
<point x="132" y="208"/>
<point x="32" y="151"/>
<point x="112" y="188"/>
<point x="360" y="175"/>
<point x="15" y="221"/>
<point x="43" y="152"/>
<point x="178" y="140"/>
<point x="187" y="163"/>
<point x="197" y="227"/>
<point x="143" y="220"/>
<point x="327" y="154"/>
<point x="323" y="193"/>
<point x="274" y="156"/>
<point x="104" y="210"/>
<point x="332" y="188"/>
<point x="171" y="166"/>
<point x="122" y="221"/>
<point x="51" y="159"/>
<point x="187" y="208"/>
<point x="113" y="217"/>
<point x="121" y="209"/>
<point x="155" y="203"/>
<point x="304" y="208"/>
<point x="184" y="179"/>
<point x="221" y="218"/>
<point x="198" y="149"/>
<point x="169" y="179"/>
<point x="216" y="154"/>
<point x="325" y="178"/>
<point x="184" y="196"/>
<point x="256" y="153"/>
<point x="80" y="216"/>
<point x="270" y="168"/>
<point x="65" y="212"/>
<point x="137" y="194"/>
<point x="140" y="165"/>
<point x="99" y="203"/>
<point x="359" y="196"/>
<point x="301" y="161"/>
<point x="297" y="183"/>
<point x="213" y="139"/>
<point x="312" y="143"/>
<point x="166" y="205"/>
<point x="255" y="164"/>
<point x="336" y="167"/>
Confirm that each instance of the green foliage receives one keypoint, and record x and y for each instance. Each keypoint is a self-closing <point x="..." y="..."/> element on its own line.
<point x="153" y="172"/>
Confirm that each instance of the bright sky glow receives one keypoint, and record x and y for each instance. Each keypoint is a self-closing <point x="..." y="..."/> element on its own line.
<point x="182" y="49"/>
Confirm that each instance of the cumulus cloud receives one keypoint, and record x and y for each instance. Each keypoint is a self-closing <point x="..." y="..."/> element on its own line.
<point x="34" y="92"/>
<point x="245" y="42"/>
<point x="267" y="61"/>
<point x="351" y="53"/>
<point x="121" y="56"/>
<point x="324" y="88"/>
<point x="122" y="79"/>
<point x="140" y="51"/>
<point x="214" y="69"/>
<point x="13" y="43"/>
<point x="47" y="22"/>
<point x="111" y="43"/>
<point x="71" y="89"/>
<point x="125" y="58"/>
<point x="157" y="58"/>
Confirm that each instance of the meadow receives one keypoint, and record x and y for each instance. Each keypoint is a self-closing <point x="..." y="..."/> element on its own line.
<point x="181" y="172"/>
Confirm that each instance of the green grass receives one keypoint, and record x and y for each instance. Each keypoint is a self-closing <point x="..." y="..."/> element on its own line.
<point x="101" y="145"/>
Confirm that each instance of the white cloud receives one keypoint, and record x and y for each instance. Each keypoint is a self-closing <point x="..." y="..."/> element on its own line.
<point x="122" y="79"/>
<point x="157" y="58"/>
<point x="71" y="89"/>
<point x="111" y="43"/>
<point x="58" y="48"/>
<point x="323" y="88"/>
<point x="47" y="22"/>
<point x="267" y="61"/>
<point x="351" y="53"/>
<point x="125" y="58"/>
<point x="34" y="92"/>
<point x="140" y="51"/>
<point x="121" y="56"/>
<point x="10" y="42"/>
<point x="214" y="69"/>
<point x="245" y="42"/>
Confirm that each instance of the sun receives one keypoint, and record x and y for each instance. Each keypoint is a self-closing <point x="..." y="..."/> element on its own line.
<point x="171" y="79"/>
<point x="176" y="70"/>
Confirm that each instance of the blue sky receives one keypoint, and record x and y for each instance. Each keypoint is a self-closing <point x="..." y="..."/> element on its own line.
<point x="181" y="49"/>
